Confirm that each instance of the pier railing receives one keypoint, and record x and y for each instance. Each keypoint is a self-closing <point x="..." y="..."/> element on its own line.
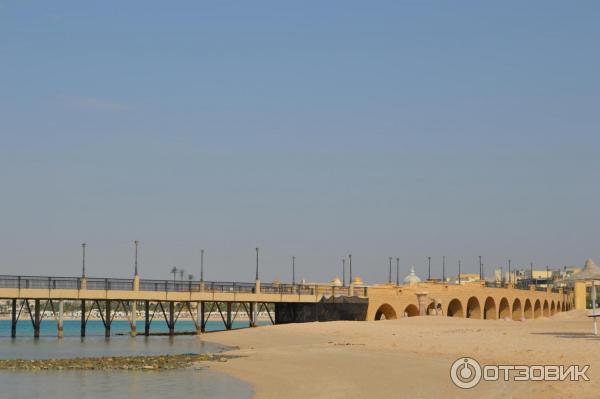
<point x="108" y="284"/>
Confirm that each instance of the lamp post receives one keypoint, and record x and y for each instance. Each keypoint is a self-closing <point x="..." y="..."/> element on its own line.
<point x="459" y="272"/>
<point x="83" y="260"/>
<point x="293" y="270"/>
<point x="397" y="271"/>
<point x="531" y="272"/>
<point x="429" y="268"/>
<point x="443" y="268"/>
<point x="136" y="243"/>
<point x="509" y="275"/>
<point x="350" y="267"/>
<point x="390" y="274"/>
<point x="480" y="269"/>
<point x="201" y="265"/>
<point x="257" y="263"/>
<point x="343" y="272"/>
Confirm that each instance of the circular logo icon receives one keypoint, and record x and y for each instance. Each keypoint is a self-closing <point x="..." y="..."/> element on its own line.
<point x="465" y="372"/>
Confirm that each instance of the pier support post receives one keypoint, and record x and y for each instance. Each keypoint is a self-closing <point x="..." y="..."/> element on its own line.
<point x="83" y="312"/>
<point x="36" y="321"/>
<point x="59" y="322"/>
<point x="200" y="317"/>
<point x="133" y="318"/>
<point x="252" y="315"/>
<point x="171" y="318"/>
<point x="13" y="324"/>
<point x="147" y="318"/>
<point x="228" y="324"/>
<point x="107" y="319"/>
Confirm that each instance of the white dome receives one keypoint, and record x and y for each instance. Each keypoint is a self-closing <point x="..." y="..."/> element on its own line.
<point x="412" y="278"/>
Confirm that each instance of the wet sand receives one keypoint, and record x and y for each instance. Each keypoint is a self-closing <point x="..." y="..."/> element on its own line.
<point x="409" y="357"/>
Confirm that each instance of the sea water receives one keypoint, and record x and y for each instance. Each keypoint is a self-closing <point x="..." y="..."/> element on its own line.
<point x="185" y="383"/>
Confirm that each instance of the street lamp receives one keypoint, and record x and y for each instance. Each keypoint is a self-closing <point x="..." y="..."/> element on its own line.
<point x="256" y="263"/>
<point x="397" y="271"/>
<point x="343" y="272"/>
<point x="459" y="272"/>
<point x="531" y="272"/>
<point x="443" y="269"/>
<point x="293" y="270"/>
<point x="202" y="265"/>
<point x="429" y="267"/>
<point x="390" y="275"/>
<point x="136" y="243"/>
<point x="83" y="260"/>
<point x="350" y="267"/>
<point x="480" y="269"/>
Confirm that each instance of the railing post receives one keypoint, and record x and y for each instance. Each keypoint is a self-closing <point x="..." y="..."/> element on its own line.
<point x="147" y="318"/>
<point x="59" y="322"/>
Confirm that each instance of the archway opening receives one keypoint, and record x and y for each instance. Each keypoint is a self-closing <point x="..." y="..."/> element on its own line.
<point x="385" y="312"/>
<point x="431" y="309"/>
<point x="455" y="309"/>
<point x="528" y="310"/>
<point x="552" y="309"/>
<point x="537" y="309"/>
<point x="546" y="311"/>
<point x="489" y="309"/>
<point x="411" y="311"/>
<point x="504" y="308"/>
<point x="517" y="311"/>
<point x="473" y="308"/>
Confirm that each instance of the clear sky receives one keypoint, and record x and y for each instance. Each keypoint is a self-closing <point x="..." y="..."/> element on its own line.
<point x="308" y="128"/>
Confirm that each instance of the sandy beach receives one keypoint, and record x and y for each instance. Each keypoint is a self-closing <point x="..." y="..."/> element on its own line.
<point x="408" y="357"/>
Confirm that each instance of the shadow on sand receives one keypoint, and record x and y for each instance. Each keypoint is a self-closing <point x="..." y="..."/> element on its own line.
<point x="588" y="336"/>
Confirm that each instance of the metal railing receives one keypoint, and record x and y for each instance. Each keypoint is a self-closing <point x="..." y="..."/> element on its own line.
<point x="107" y="284"/>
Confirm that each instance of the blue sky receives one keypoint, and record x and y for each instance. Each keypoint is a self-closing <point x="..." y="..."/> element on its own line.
<point x="379" y="129"/>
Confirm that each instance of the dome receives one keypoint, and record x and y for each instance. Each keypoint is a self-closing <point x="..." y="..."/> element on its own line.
<point x="357" y="280"/>
<point x="590" y="271"/>
<point x="336" y="282"/>
<point x="412" y="278"/>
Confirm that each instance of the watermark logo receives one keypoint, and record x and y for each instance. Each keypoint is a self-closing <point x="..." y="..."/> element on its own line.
<point x="466" y="373"/>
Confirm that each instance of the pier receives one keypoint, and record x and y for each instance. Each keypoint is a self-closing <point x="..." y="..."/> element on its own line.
<point x="33" y="297"/>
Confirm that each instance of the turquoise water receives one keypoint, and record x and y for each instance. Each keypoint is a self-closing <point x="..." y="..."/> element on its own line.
<point x="71" y="328"/>
<point x="185" y="383"/>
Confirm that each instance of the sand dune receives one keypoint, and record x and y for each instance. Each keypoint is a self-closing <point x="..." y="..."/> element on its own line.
<point x="410" y="357"/>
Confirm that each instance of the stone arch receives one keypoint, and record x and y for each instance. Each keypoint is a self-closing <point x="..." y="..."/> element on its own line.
<point x="489" y="309"/>
<point x="546" y="310"/>
<point x="385" y="312"/>
<point x="473" y="308"/>
<point x="528" y="311"/>
<point x="537" y="309"/>
<point x="504" y="308"/>
<point x="552" y="309"/>
<point x="517" y="311"/>
<point x="455" y="309"/>
<point x="411" y="311"/>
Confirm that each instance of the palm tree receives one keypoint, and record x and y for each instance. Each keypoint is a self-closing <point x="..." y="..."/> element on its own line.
<point x="174" y="271"/>
<point x="181" y="273"/>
